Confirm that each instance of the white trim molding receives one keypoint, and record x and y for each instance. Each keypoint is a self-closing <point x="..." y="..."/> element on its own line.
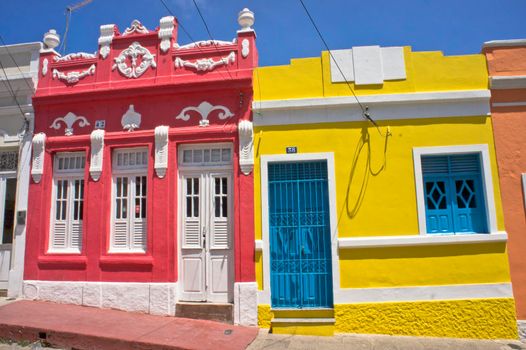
<point x="73" y="77"/>
<point x="204" y="109"/>
<point x="152" y="298"/>
<point x="419" y="240"/>
<point x="161" y="150"/>
<point x="246" y="303"/>
<point x="246" y="146"/>
<point x="107" y="32"/>
<point x="507" y="82"/>
<point x="131" y="120"/>
<point x="509" y="104"/>
<point x="68" y="120"/>
<point x="505" y="43"/>
<point x="416" y="105"/>
<point x="487" y="180"/>
<point x="424" y="293"/>
<point x="264" y="295"/>
<point x="39" y="144"/>
<point x="135" y="27"/>
<point x="205" y="64"/>
<point x="204" y="43"/>
<point x="97" y="154"/>
<point x="523" y="176"/>
<point x="135" y="70"/>
<point x="166" y="27"/>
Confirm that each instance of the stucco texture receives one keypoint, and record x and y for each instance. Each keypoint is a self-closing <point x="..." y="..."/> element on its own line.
<point x="478" y="318"/>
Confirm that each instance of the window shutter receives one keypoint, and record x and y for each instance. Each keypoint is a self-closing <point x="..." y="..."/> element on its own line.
<point x="139" y="234"/>
<point x="76" y="235"/>
<point x="120" y="234"/>
<point x="192" y="233"/>
<point x="59" y="234"/>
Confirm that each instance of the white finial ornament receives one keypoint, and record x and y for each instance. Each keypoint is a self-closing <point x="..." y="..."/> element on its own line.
<point x="51" y="39"/>
<point x="245" y="19"/>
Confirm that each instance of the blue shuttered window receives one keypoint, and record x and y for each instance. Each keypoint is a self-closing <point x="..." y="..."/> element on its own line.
<point x="454" y="195"/>
<point x="300" y="241"/>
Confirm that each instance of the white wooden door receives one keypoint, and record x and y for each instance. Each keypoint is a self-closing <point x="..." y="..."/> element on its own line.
<point x="206" y="235"/>
<point x="7" y="216"/>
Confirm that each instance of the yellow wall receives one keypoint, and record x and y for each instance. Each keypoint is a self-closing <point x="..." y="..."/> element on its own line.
<point x="426" y="71"/>
<point x="376" y="196"/>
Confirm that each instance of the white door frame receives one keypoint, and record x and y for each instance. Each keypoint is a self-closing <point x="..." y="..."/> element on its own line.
<point x="5" y="249"/>
<point x="205" y="173"/>
<point x="264" y="295"/>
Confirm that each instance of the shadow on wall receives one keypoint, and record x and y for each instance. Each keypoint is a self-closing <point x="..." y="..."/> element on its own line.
<point x="362" y="151"/>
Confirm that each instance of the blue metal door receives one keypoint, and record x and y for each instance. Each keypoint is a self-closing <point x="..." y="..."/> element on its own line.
<point x="300" y="241"/>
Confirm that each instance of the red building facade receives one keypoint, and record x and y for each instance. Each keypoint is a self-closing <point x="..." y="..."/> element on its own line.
<point x="141" y="194"/>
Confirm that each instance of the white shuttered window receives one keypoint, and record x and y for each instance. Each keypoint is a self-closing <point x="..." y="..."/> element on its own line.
<point x="129" y="223"/>
<point x="68" y="203"/>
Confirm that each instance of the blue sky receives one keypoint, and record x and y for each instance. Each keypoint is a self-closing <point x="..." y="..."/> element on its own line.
<point x="283" y="30"/>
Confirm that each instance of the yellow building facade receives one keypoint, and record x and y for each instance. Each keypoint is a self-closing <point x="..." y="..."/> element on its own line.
<point x="394" y="228"/>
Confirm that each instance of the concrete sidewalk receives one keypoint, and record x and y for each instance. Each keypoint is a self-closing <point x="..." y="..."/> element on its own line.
<point x="71" y="326"/>
<point x="267" y="341"/>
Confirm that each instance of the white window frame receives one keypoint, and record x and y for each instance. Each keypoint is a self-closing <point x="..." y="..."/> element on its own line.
<point x="69" y="175"/>
<point x="208" y="165"/>
<point x="487" y="181"/>
<point x="130" y="172"/>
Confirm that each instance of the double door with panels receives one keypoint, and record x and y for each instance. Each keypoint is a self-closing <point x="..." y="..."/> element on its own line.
<point x="206" y="209"/>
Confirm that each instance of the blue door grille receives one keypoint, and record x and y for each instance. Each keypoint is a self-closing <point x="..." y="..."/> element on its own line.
<point x="300" y="241"/>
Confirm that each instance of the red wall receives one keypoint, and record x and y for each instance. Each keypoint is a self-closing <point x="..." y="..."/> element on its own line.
<point x="159" y="96"/>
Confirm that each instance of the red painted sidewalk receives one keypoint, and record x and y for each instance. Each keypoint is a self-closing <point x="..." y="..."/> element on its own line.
<point x="81" y="327"/>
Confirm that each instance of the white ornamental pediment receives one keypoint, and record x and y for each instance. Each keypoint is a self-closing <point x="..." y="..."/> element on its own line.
<point x="68" y="121"/>
<point x="134" y="61"/>
<point x="204" y="109"/>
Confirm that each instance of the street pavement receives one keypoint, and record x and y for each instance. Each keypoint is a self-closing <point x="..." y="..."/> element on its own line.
<point x="266" y="341"/>
<point x="91" y="328"/>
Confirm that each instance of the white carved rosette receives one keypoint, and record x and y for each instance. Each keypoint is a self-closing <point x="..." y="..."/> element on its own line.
<point x="205" y="64"/>
<point x="68" y="121"/>
<point x="131" y="120"/>
<point x="97" y="154"/>
<point x="161" y="150"/>
<point x="246" y="146"/>
<point x="139" y="57"/>
<point x="73" y="77"/>
<point x="204" y="109"/>
<point x="37" y="168"/>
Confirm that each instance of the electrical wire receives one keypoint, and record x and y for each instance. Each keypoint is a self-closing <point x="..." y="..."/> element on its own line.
<point x="210" y="35"/>
<point x="365" y="109"/>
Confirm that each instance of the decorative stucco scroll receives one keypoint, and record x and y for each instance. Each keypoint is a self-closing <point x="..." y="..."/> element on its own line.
<point x="204" y="43"/>
<point x="131" y="120"/>
<point x="73" y="77"/>
<point x="204" y="109"/>
<point x="97" y="154"/>
<point x="245" y="48"/>
<point x="74" y="56"/>
<point x="68" y="121"/>
<point x="106" y="37"/>
<point x="161" y="150"/>
<point x="45" y="63"/>
<point x="205" y="64"/>
<point x="134" y="51"/>
<point x="37" y="169"/>
<point x="246" y="146"/>
<point x="135" y="27"/>
<point x="166" y="27"/>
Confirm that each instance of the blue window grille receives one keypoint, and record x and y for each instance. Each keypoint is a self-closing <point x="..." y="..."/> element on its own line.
<point x="300" y="241"/>
<point x="454" y="195"/>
